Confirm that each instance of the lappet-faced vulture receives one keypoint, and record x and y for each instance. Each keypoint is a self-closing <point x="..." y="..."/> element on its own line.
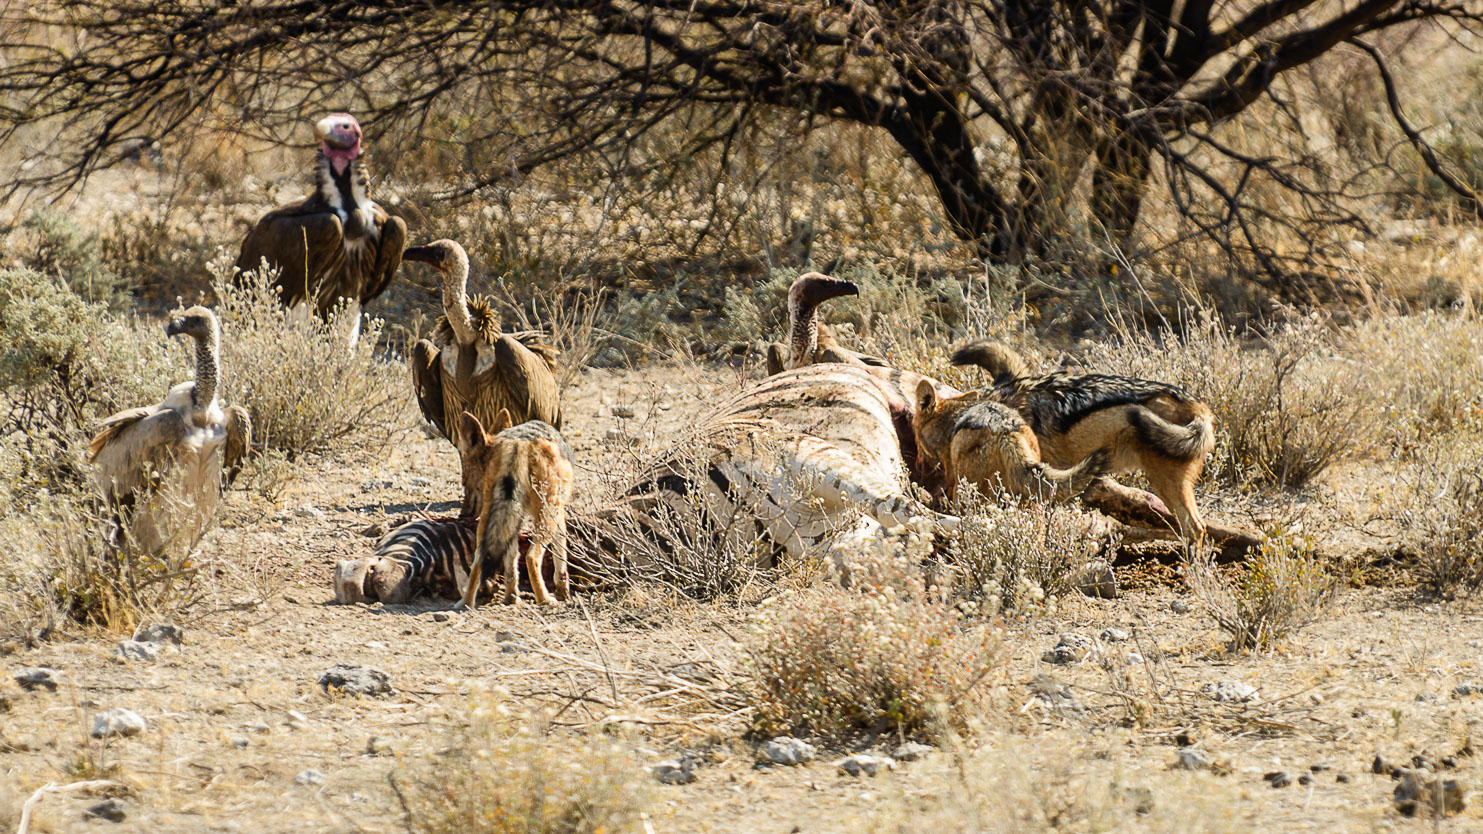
<point x="336" y="243"/>
<point x="469" y="365"/>
<point x="810" y="340"/>
<point x="162" y="465"/>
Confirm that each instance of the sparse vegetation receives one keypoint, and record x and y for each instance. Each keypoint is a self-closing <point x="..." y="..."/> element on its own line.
<point x="1282" y="587"/>
<point x="1443" y="516"/>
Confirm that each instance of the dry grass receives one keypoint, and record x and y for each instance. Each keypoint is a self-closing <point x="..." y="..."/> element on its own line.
<point x="1282" y="587"/>
<point x="1442" y="515"/>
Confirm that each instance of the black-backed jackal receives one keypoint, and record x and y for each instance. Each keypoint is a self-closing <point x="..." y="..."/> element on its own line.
<point x="985" y="442"/>
<point x="527" y="473"/>
<point x="1142" y="424"/>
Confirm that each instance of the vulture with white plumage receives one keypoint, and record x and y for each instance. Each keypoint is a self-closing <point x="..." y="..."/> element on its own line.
<point x="810" y="340"/>
<point x="336" y="243"/>
<point x="469" y="364"/>
<point x="162" y="465"/>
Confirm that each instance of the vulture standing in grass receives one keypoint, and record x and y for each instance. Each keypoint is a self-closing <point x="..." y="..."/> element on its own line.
<point x="811" y="341"/>
<point x="336" y="243"/>
<point x="162" y="465"/>
<point x="469" y="365"/>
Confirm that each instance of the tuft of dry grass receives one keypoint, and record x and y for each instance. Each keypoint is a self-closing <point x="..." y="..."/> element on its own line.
<point x="502" y="774"/>
<point x="888" y="653"/>
<point x="1281" y="588"/>
<point x="1442" y="516"/>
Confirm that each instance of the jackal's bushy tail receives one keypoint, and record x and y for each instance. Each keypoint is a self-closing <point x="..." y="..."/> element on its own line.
<point x="1187" y="442"/>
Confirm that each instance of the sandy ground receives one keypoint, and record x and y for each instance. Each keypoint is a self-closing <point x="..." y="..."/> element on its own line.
<point x="235" y="714"/>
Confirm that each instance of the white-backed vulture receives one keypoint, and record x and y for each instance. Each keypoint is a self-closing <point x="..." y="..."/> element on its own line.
<point x="469" y="365"/>
<point x="162" y="465"/>
<point x="810" y="340"/>
<point x="335" y="243"/>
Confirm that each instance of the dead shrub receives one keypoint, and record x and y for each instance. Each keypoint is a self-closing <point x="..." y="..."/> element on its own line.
<point x="501" y="774"/>
<point x="307" y="391"/>
<point x="1281" y="588"/>
<point x="888" y="653"/>
<point x="1443" y="517"/>
<point x="1427" y="372"/>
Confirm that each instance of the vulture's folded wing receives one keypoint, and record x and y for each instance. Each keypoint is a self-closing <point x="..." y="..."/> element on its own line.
<point x="427" y="381"/>
<point x="306" y="249"/>
<point x="526" y="381"/>
<point x="131" y="455"/>
<point x="776" y="359"/>
<point x="239" y="442"/>
<point x="390" y="242"/>
<point x="531" y="339"/>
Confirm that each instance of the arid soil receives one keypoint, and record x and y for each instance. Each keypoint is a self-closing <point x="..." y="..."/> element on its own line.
<point x="235" y="715"/>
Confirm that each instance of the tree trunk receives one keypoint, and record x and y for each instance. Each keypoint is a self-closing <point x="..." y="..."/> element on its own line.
<point x="1119" y="183"/>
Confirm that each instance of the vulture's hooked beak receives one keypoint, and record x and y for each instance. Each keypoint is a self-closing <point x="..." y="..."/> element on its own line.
<point x="816" y="288"/>
<point x="175" y="327"/>
<point x="429" y="255"/>
<point x="339" y="131"/>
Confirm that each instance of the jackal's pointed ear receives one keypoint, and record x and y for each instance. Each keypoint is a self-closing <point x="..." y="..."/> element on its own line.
<point x="502" y="421"/>
<point x="926" y="396"/>
<point x="470" y="433"/>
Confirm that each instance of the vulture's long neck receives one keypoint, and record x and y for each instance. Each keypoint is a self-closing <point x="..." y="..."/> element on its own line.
<point x="456" y="300"/>
<point x="804" y="319"/>
<point x="344" y="192"/>
<point x="203" y="394"/>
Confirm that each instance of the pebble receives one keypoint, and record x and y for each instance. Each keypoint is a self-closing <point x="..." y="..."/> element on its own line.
<point x="1342" y="778"/>
<point x="118" y="722"/>
<point x="257" y="727"/>
<point x="309" y="777"/>
<point x="1416" y="793"/>
<point x="1305" y="779"/>
<point x="911" y="751"/>
<point x="1179" y="606"/>
<point x="1054" y="693"/>
<point x="1070" y="648"/>
<point x="378" y="746"/>
<point x="308" y="511"/>
<point x="1278" y="779"/>
<point x="373" y="484"/>
<point x="135" y="650"/>
<point x="623" y="411"/>
<point x="1114" y="635"/>
<point x="356" y="680"/>
<point x="619" y="437"/>
<point x="864" y="763"/>
<point x="240" y="742"/>
<point x="375" y="531"/>
<point x="161" y="633"/>
<point x="1188" y="758"/>
<point x="32" y="678"/>
<point x="1463" y="690"/>
<point x="1230" y="692"/>
<point x="786" y="750"/>
<point x="1381" y="766"/>
<point x="441" y="616"/>
<point x="1096" y="579"/>
<point x="109" y="809"/>
<point x="418" y="482"/>
<point x="674" y="771"/>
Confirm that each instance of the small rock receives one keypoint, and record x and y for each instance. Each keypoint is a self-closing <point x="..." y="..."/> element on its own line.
<point x="375" y="531"/>
<point x="1054" y="693"/>
<point x="786" y="750"/>
<point x="1342" y="778"/>
<point x="32" y="678"/>
<point x="623" y="411"/>
<point x="1134" y="658"/>
<point x="441" y="616"/>
<point x="118" y="722"/>
<point x="373" y="484"/>
<point x="1179" y="606"/>
<point x="1096" y="579"/>
<point x="1420" y="793"/>
<point x="418" y="482"/>
<point x="240" y="742"/>
<point x="135" y="650"/>
<point x="1278" y="779"/>
<point x="617" y="437"/>
<point x="911" y="751"/>
<point x="378" y="746"/>
<point x="1230" y="692"/>
<point x="356" y="680"/>
<point x="309" y="777"/>
<point x="1421" y="761"/>
<point x="1305" y="779"/>
<point x="1381" y="766"/>
<point x="1070" y="648"/>
<point x="865" y="763"/>
<point x="109" y="809"/>
<point x="308" y="511"/>
<point x="1463" y="690"/>
<point x="1114" y="635"/>
<point x="1319" y="767"/>
<point x="675" y="771"/>
<point x="257" y="727"/>
<point x="1189" y="758"/>
<point x="162" y="633"/>
<point x="1449" y="762"/>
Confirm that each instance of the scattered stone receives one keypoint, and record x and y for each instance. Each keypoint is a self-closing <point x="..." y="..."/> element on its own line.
<point x="786" y="750"/>
<point x="865" y="763"/>
<point x="1114" y="635"/>
<point x="623" y="411"/>
<point x="1305" y="779"/>
<point x="1421" y="761"/>
<point x="1230" y="692"/>
<point x="618" y="437"/>
<point x="911" y="751"/>
<point x="441" y="616"/>
<point x="373" y="484"/>
<point x="675" y="771"/>
<point x="240" y="742"/>
<point x="375" y="531"/>
<point x="1278" y="779"/>
<point x="1319" y="767"/>
<point x="356" y="680"/>
<point x="1342" y="778"/>
<point x="257" y="727"/>
<point x="1054" y="693"/>
<point x="118" y="722"/>
<point x="1179" y="606"/>
<point x="308" y="511"/>
<point x="309" y="777"/>
<point x="1419" y="792"/>
<point x="161" y="633"/>
<point x="1449" y="762"/>
<point x="1381" y="766"/>
<point x="378" y="746"/>
<point x="32" y="678"/>
<point x="419" y="482"/>
<point x="135" y="650"/>
<point x="1134" y="658"/>
<point x="1188" y="758"/>
<point x="1070" y="648"/>
<point x="1096" y="579"/>
<point x="109" y="809"/>
<point x="1464" y="690"/>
